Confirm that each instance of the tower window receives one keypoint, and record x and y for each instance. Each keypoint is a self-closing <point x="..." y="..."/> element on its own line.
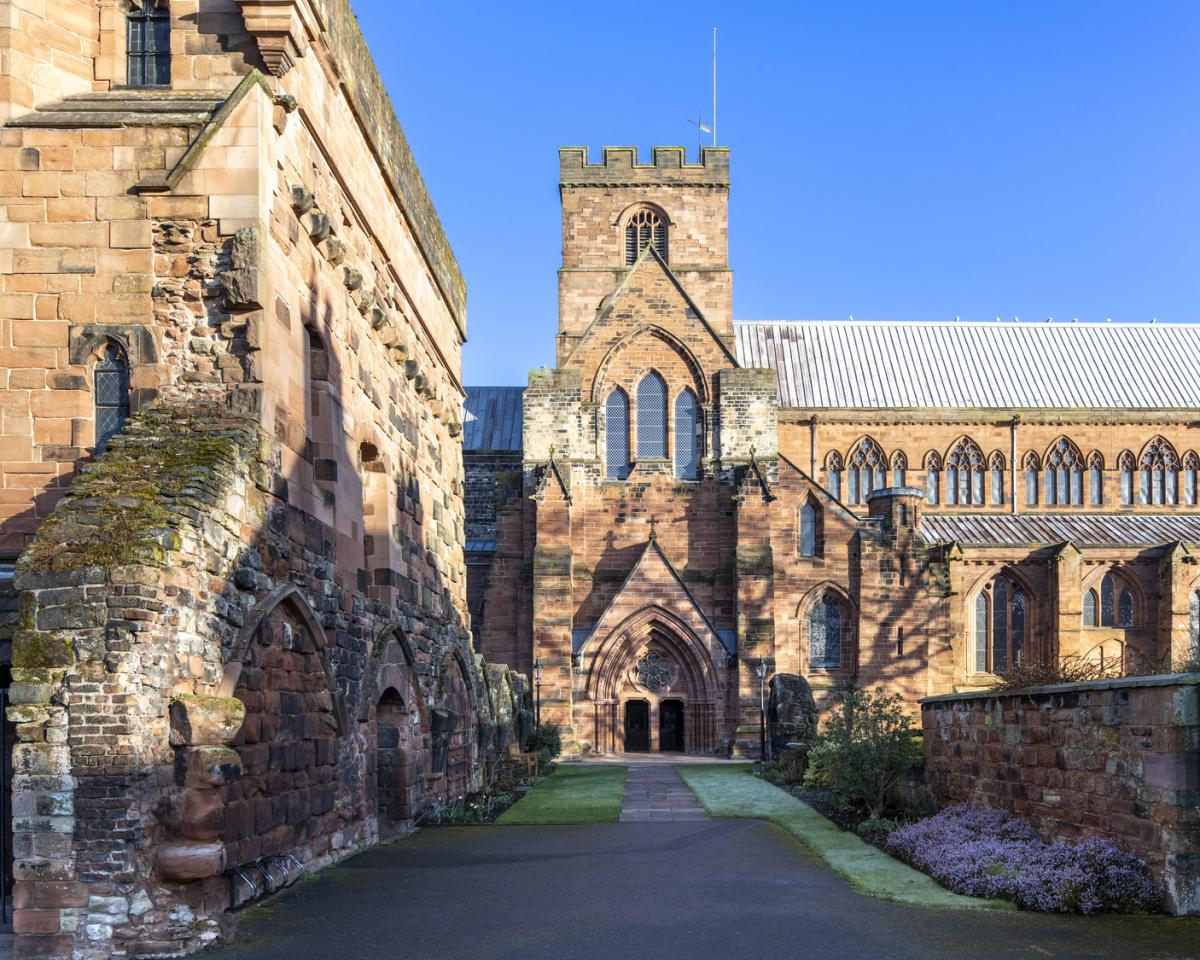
<point x="652" y="417"/>
<point x="687" y="436"/>
<point x="111" y="388"/>
<point x="616" y="435"/>
<point x="645" y="226"/>
<point x="148" y="45"/>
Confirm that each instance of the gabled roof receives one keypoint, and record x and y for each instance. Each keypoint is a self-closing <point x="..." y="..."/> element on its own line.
<point x="978" y="529"/>
<point x="1005" y="366"/>
<point x="492" y="418"/>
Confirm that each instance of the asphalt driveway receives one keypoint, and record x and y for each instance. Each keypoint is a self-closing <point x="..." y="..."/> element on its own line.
<point x="729" y="889"/>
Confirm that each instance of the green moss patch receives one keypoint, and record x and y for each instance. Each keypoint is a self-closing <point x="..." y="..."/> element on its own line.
<point x="588" y="793"/>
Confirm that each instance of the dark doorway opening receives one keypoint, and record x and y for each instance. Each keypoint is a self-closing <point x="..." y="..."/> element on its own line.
<point x="392" y="778"/>
<point x="670" y="725"/>
<point x="637" y="725"/>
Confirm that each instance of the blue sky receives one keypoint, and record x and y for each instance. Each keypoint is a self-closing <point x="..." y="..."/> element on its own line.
<point x="890" y="161"/>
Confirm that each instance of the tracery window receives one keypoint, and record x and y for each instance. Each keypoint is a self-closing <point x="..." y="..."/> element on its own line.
<point x="833" y="474"/>
<point x="964" y="473"/>
<point x="1191" y="467"/>
<point x="616" y="435"/>
<point x="827" y="627"/>
<point x="1000" y="626"/>
<point x="865" y="470"/>
<point x="899" y="468"/>
<point x="1159" y="473"/>
<point x="1095" y="478"/>
<point x="933" y="470"/>
<point x="810" y="519"/>
<point x="110" y="382"/>
<point x="1032" y="469"/>
<point x="1064" y="474"/>
<point x="652" y="417"/>
<point x="645" y="226"/>
<point x="996" y="466"/>
<point x="148" y="45"/>
<point x="1125" y="466"/>
<point x="687" y="436"/>
<point x="1115" y="608"/>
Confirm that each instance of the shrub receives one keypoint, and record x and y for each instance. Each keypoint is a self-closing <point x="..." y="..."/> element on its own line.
<point x="878" y="829"/>
<point x="867" y="744"/>
<point x="788" y="770"/>
<point x="987" y="853"/>
<point x="546" y="742"/>
<point x="1041" y="672"/>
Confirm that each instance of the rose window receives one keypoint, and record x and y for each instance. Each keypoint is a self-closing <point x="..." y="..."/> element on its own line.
<point x="654" y="671"/>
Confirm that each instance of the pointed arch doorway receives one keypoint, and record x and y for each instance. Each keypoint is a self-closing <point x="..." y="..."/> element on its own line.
<point x="653" y="688"/>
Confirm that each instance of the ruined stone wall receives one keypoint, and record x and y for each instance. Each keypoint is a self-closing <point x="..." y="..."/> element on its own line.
<point x="1109" y="758"/>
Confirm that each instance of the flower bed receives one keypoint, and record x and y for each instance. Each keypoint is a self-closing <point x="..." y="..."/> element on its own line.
<point x="987" y="853"/>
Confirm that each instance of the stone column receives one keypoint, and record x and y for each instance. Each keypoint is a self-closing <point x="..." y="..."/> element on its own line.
<point x="1177" y="571"/>
<point x="1067" y="618"/>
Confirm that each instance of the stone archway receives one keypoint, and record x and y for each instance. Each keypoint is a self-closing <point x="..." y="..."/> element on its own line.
<point x="653" y="658"/>
<point x="398" y="790"/>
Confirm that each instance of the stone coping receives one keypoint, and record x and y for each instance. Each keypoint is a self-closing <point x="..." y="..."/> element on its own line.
<point x="1118" y="683"/>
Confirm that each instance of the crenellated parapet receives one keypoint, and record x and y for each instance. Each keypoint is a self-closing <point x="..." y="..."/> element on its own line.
<point x="620" y="166"/>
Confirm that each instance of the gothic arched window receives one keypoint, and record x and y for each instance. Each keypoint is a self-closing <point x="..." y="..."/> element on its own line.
<point x="1032" y="467"/>
<point x="1001" y="625"/>
<point x="1194" y="625"/>
<point x="616" y="435"/>
<point x="1064" y="473"/>
<point x="827" y="624"/>
<point x="1159" y="473"/>
<point x="1116" y="604"/>
<point x="1095" y="478"/>
<point x="148" y="45"/>
<point x="865" y="470"/>
<point x="833" y="474"/>
<point x="110" y="381"/>
<point x="1191" y="467"/>
<point x="645" y="226"/>
<point x="810" y="533"/>
<point x="964" y="473"/>
<point x="1090" y="604"/>
<point x="899" y="468"/>
<point x="1125" y="466"/>
<point x="652" y="417"/>
<point x="687" y="436"/>
<point x="996" y="466"/>
<point x="933" y="472"/>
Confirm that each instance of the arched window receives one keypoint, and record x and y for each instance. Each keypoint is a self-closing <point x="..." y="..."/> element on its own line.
<point x="827" y="625"/>
<point x="110" y="382"/>
<point x="652" y="417"/>
<point x="1001" y="625"/>
<point x="1191" y="466"/>
<point x="1194" y="625"/>
<point x="1125" y="609"/>
<point x="899" y="468"/>
<point x="1095" y="478"/>
<point x="1159" y="473"/>
<point x="1125" y="466"/>
<point x="1090" y="603"/>
<point x="1064" y="473"/>
<point x="645" y="226"/>
<point x="687" y="436"/>
<point x="964" y="473"/>
<point x="933" y="472"/>
<point x="148" y="45"/>
<point x="616" y="435"/>
<point x="1116" y="604"/>
<point x="996" y="466"/>
<point x="833" y="474"/>
<point x="810" y="529"/>
<point x="1032" y="466"/>
<point x="865" y="470"/>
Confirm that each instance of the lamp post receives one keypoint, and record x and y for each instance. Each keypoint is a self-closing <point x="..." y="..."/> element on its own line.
<point x="537" y="685"/>
<point x="761" y="669"/>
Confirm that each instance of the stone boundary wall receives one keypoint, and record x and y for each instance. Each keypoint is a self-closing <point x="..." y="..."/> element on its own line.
<point x="1112" y="758"/>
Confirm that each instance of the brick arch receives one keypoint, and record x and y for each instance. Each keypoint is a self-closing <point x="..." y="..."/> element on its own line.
<point x="290" y="596"/>
<point x="601" y="381"/>
<point x="817" y="591"/>
<point x="391" y="664"/>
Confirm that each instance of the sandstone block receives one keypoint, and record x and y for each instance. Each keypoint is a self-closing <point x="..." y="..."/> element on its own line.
<point x="205" y="721"/>
<point x="190" y="861"/>
<point x="210" y="766"/>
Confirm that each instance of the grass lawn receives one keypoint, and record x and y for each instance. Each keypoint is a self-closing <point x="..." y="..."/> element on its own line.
<point x="583" y="793"/>
<point x="731" y="791"/>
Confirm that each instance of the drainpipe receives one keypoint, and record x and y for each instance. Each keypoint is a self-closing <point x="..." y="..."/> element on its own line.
<point x="812" y="447"/>
<point x="1013" y="447"/>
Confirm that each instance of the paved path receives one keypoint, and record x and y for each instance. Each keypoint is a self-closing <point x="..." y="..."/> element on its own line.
<point x="653" y="791"/>
<point x="648" y="891"/>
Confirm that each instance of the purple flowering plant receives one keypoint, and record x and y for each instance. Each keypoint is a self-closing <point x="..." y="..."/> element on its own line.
<point x="988" y="853"/>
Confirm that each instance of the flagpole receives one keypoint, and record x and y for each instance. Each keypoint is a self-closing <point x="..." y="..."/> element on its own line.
<point x="714" y="115"/>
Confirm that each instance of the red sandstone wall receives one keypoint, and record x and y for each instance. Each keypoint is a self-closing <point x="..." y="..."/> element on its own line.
<point x="1119" y="759"/>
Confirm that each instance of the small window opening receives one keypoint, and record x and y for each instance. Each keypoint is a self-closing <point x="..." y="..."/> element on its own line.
<point x="148" y="45"/>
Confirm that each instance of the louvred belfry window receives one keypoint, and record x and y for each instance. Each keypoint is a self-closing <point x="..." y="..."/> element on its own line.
<point x="645" y="226"/>
<point x="110" y="382"/>
<point x="148" y="45"/>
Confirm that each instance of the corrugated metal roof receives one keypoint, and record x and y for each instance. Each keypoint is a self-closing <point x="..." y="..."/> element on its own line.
<point x="1081" y="528"/>
<point x="492" y="418"/>
<point x="863" y="364"/>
